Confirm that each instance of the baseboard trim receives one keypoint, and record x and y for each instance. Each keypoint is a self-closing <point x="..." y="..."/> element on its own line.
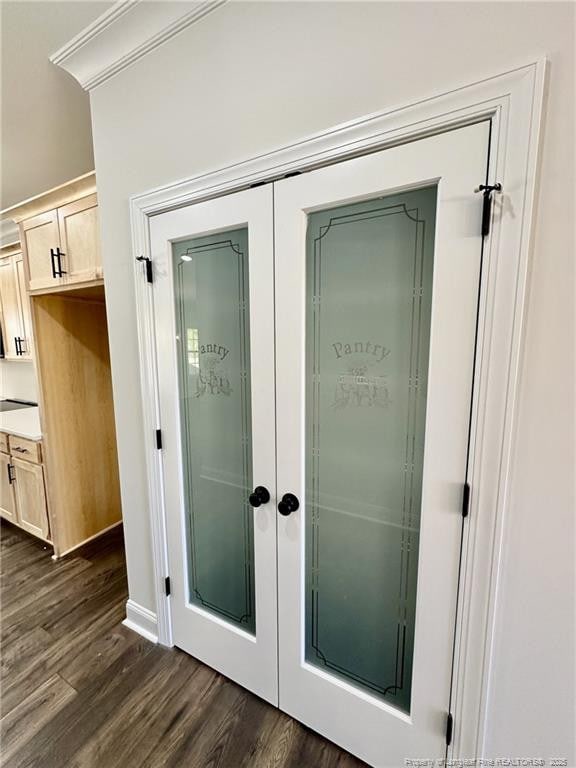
<point x="141" y="620"/>
<point x="86" y="541"/>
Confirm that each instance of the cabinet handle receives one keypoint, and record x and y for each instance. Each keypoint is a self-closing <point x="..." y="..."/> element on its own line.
<point x="59" y="255"/>
<point x="20" y="450"/>
<point x="9" y="467"/>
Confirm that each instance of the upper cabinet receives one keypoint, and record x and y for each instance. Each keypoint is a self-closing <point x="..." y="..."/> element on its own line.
<point x="41" y="239"/>
<point x="63" y="246"/>
<point x="14" y="305"/>
<point x="80" y="240"/>
<point x="60" y="237"/>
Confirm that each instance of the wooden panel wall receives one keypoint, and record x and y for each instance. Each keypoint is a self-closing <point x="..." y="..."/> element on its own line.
<point x="78" y="417"/>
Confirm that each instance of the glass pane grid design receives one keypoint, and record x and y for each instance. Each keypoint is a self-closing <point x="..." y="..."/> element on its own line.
<point x="212" y="314"/>
<point x="369" y="283"/>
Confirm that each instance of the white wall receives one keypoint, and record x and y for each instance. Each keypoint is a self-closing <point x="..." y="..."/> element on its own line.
<point x="46" y="134"/>
<point x="18" y="380"/>
<point x="252" y="77"/>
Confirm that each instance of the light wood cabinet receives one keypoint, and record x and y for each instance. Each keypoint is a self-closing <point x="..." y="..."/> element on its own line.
<point x="41" y="239"/>
<point x="7" y="496"/>
<point x="60" y="237"/>
<point x="30" y="497"/>
<point x="15" y="306"/>
<point x="67" y="487"/>
<point x="23" y="448"/>
<point x="80" y="238"/>
<point x="79" y="446"/>
<point x="22" y="487"/>
<point x="63" y="246"/>
<point x="27" y="343"/>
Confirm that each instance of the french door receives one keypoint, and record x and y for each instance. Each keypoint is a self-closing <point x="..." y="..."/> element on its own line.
<point x="315" y="360"/>
<point x="214" y="310"/>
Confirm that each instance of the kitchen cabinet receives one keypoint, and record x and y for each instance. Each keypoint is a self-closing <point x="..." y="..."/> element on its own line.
<point x="26" y="345"/>
<point x="30" y="497"/>
<point x="40" y="237"/>
<point x="74" y="471"/>
<point x="80" y="239"/>
<point x="7" y="497"/>
<point x="22" y="488"/>
<point x="79" y="445"/>
<point x="15" y="304"/>
<point x="60" y="237"/>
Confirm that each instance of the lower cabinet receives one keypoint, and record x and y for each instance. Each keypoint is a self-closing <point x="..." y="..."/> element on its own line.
<point x="7" y="496"/>
<point x="30" y="497"/>
<point x="22" y="489"/>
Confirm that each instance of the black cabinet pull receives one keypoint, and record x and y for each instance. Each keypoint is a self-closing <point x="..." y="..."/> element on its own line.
<point x="259" y="495"/>
<point x="288" y="504"/>
<point x="59" y="271"/>
<point x="10" y="478"/>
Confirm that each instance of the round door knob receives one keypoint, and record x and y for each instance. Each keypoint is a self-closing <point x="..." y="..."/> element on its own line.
<point x="288" y="504"/>
<point x="259" y="495"/>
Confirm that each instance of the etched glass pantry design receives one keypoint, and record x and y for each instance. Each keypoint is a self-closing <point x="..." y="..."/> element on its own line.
<point x="368" y="307"/>
<point x="213" y="331"/>
<point x="315" y="342"/>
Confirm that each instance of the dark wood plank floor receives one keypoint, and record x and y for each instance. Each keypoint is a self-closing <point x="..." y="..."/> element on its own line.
<point x="79" y="689"/>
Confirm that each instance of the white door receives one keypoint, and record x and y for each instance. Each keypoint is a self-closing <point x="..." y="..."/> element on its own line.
<point x="214" y="313"/>
<point x="377" y="275"/>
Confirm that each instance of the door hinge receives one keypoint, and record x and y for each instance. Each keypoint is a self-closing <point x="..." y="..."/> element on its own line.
<point x="449" y="728"/>
<point x="159" y="439"/>
<point x="466" y="500"/>
<point x="148" y="262"/>
<point x="487" y="190"/>
<point x="167" y="586"/>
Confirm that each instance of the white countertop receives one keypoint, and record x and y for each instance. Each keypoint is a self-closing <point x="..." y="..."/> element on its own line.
<point x="24" y="422"/>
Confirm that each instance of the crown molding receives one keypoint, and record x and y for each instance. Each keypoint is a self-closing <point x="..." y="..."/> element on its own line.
<point x="82" y="186"/>
<point x="127" y="31"/>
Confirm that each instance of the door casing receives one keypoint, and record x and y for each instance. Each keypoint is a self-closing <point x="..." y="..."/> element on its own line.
<point x="512" y="101"/>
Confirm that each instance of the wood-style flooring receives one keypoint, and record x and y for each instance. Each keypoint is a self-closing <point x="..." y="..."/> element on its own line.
<point x="80" y="690"/>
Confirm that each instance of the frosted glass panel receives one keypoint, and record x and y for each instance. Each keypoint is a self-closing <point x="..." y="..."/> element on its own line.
<point x="212" y="315"/>
<point x="369" y="285"/>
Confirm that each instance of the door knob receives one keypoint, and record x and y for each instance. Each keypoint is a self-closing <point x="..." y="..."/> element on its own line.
<point x="259" y="495"/>
<point x="288" y="504"/>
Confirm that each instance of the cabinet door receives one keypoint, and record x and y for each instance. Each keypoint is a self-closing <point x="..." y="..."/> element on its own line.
<point x="39" y="236"/>
<point x="7" y="500"/>
<point x="12" y="323"/>
<point x="80" y="237"/>
<point x="24" y="301"/>
<point x="30" y="497"/>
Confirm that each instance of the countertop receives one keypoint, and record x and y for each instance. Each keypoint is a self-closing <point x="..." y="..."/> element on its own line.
<point x="24" y="422"/>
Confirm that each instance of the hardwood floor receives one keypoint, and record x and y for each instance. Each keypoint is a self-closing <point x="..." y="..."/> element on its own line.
<point x="80" y="690"/>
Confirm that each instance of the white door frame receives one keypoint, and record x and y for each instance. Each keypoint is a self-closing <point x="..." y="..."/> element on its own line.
<point x="513" y="101"/>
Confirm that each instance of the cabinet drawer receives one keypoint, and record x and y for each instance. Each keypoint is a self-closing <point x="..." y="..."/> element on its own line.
<point x="3" y="442"/>
<point x="25" y="449"/>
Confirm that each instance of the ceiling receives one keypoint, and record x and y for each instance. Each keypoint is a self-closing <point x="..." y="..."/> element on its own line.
<point x="45" y="122"/>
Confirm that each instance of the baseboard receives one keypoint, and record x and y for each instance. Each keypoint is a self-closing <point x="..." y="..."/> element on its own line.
<point x="141" y="620"/>
<point x="86" y="541"/>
